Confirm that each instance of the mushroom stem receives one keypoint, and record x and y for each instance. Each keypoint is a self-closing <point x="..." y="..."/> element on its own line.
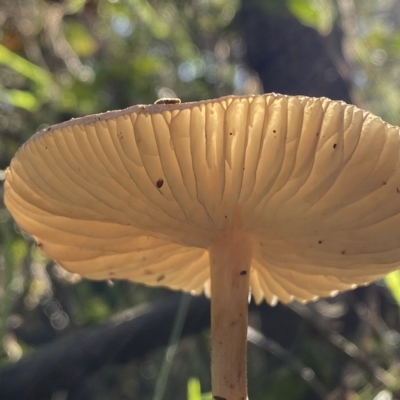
<point x="230" y="258"/>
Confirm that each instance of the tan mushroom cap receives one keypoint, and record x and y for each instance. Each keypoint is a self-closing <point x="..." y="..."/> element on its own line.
<point x="141" y="193"/>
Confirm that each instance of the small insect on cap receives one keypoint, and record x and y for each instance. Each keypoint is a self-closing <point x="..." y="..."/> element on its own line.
<point x="143" y="193"/>
<point x="168" y="100"/>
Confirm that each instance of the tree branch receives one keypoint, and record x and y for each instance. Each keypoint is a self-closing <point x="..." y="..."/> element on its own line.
<point x="61" y="364"/>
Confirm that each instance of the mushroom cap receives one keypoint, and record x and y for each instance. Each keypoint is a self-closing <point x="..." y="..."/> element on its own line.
<point x="141" y="193"/>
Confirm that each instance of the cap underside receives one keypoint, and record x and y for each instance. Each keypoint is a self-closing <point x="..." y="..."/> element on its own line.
<point x="141" y="193"/>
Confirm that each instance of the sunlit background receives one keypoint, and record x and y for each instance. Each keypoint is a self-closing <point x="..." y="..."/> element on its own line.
<point x="61" y="59"/>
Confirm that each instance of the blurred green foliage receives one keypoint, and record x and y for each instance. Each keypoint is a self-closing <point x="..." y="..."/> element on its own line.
<point x="319" y="14"/>
<point x="393" y="283"/>
<point x="194" y="391"/>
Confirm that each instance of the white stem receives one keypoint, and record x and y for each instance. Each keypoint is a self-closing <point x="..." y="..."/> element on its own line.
<point x="230" y="258"/>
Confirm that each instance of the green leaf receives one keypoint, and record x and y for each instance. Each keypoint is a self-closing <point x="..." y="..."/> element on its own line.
<point x="19" y="98"/>
<point x="392" y="281"/>
<point x="24" y="67"/>
<point x="80" y="39"/>
<point x="319" y="14"/>
<point x="194" y="389"/>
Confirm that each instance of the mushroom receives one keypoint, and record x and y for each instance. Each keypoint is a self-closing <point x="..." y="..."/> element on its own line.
<point x="288" y="197"/>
